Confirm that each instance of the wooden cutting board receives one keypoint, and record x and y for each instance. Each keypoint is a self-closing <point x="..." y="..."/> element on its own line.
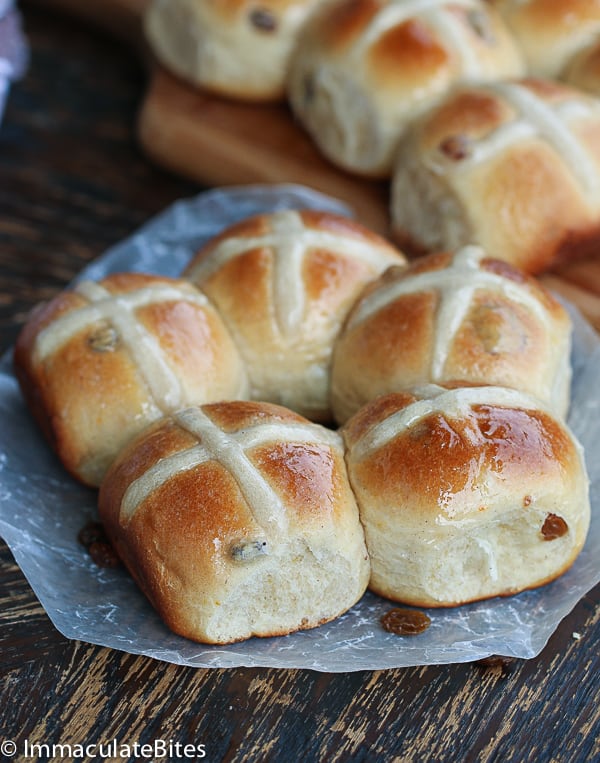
<point x="216" y="142"/>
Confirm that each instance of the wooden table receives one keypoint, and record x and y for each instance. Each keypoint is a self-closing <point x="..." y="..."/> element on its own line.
<point x="73" y="182"/>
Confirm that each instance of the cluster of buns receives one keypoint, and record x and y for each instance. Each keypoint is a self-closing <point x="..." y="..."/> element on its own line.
<point x="302" y="414"/>
<point x="457" y="102"/>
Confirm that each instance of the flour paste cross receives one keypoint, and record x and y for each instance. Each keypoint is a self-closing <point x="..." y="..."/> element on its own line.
<point x="228" y="449"/>
<point x="290" y="240"/>
<point x="119" y="311"/>
<point x="456" y="286"/>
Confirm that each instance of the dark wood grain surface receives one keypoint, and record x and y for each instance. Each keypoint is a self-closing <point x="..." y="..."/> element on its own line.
<point x="73" y="182"/>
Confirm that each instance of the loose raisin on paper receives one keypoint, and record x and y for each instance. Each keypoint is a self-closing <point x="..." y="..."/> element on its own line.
<point x="405" y="622"/>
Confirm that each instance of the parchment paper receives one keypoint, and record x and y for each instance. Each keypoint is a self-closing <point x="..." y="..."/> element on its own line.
<point x="42" y="509"/>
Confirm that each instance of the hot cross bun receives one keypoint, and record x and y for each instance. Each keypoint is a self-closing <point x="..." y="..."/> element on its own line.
<point x="103" y="360"/>
<point x="460" y="318"/>
<point x="362" y="70"/>
<point x="237" y="48"/>
<point x="512" y="166"/>
<point x="465" y="494"/>
<point x="283" y="283"/>
<point x="237" y="520"/>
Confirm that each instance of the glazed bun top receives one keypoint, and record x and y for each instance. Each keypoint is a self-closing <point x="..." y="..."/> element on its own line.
<point x="453" y="451"/>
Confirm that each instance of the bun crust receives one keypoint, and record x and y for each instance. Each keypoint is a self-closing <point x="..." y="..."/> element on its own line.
<point x="101" y="361"/>
<point x="452" y="319"/>
<point x="465" y="494"/>
<point x="362" y="70"/>
<point x="512" y="166"/>
<point x="235" y="48"/>
<point x="237" y="520"/>
<point x="283" y="284"/>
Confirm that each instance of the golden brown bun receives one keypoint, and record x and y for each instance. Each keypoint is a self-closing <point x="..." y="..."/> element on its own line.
<point x="465" y="494"/>
<point x="237" y="520"/>
<point x="237" y="48"/>
<point x="101" y="361"/>
<point x="550" y="32"/>
<point x="283" y="283"/>
<point x="459" y="318"/>
<point x="512" y="166"/>
<point x="362" y="70"/>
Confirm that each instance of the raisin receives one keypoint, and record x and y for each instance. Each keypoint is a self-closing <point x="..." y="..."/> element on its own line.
<point x="554" y="527"/>
<point x="92" y="532"/>
<point x="493" y="661"/>
<point x="263" y="19"/>
<point x="103" y="554"/>
<point x="496" y="662"/>
<point x="249" y="550"/>
<point x="456" y="147"/>
<point x="405" y="622"/>
<point x="104" y="339"/>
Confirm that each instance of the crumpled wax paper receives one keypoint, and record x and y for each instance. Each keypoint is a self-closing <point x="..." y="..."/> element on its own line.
<point x="42" y="509"/>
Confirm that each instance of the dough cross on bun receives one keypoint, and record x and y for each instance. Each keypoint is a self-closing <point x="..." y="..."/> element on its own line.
<point x="283" y="283"/>
<point x="290" y="240"/>
<point x="512" y="165"/>
<point x="535" y="117"/>
<point x="456" y="285"/>
<point x="228" y="449"/>
<point x="119" y="313"/>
